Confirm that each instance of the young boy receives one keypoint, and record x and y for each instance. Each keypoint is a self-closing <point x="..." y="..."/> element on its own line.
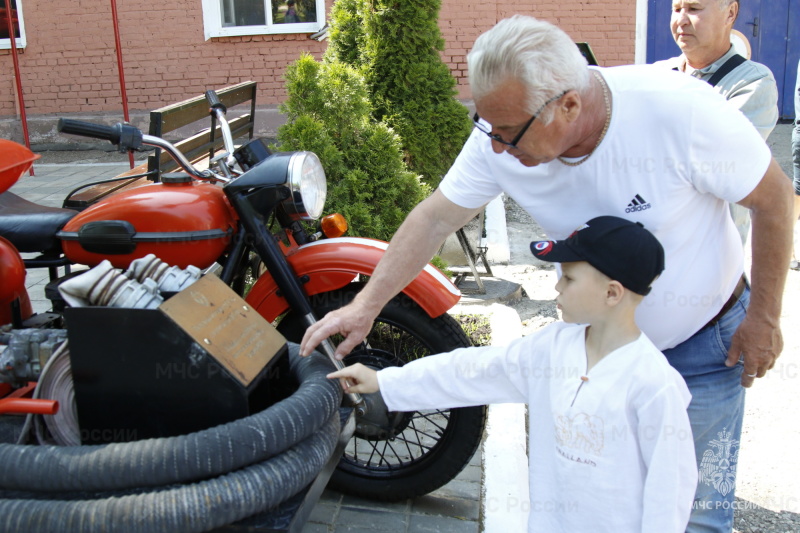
<point x="610" y="445"/>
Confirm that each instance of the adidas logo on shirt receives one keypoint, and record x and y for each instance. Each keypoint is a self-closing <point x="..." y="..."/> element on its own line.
<point x="637" y="204"/>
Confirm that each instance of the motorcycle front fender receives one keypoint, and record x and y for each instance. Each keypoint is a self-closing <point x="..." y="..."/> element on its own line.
<point x="330" y="264"/>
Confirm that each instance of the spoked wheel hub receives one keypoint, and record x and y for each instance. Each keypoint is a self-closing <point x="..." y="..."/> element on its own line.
<point x="378" y="423"/>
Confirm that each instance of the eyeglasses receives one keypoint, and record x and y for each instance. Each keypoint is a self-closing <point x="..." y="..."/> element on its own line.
<point x="515" y="140"/>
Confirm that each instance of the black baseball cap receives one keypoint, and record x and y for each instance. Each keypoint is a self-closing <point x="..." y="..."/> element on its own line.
<point x="622" y="250"/>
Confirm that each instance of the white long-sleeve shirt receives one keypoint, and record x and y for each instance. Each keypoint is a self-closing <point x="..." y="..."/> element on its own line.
<point x="610" y="450"/>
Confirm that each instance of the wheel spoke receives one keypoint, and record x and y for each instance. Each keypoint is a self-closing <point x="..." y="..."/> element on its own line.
<point x="427" y="417"/>
<point x="420" y="432"/>
<point x="418" y="443"/>
<point x="389" y="445"/>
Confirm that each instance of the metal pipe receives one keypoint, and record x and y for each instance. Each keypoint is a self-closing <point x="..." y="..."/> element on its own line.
<point x="120" y="69"/>
<point x="28" y="406"/>
<point x="179" y="158"/>
<point x="227" y="137"/>
<point x="12" y="36"/>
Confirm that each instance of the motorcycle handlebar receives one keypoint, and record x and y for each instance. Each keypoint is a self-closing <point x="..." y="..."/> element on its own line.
<point x="87" y="129"/>
<point x="130" y="138"/>
<point x="214" y="101"/>
<point x="126" y="136"/>
<point x="218" y="110"/>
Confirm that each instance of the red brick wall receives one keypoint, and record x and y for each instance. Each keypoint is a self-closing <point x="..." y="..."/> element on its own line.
<point x="69" y="65"/>
<point x="609" y="27"/>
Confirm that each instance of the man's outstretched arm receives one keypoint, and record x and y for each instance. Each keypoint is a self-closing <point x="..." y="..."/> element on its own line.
<point x="415" y="242"/>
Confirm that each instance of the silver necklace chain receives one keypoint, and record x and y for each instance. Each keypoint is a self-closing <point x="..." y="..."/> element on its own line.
<point x="605" y="127"/>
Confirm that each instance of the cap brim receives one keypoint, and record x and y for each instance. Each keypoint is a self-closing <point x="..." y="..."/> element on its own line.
<point x="554" y="252"/>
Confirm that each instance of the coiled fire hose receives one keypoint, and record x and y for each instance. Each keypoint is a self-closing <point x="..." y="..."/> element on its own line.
<point x="197" y="507"/>
<point x="299" y="433"/>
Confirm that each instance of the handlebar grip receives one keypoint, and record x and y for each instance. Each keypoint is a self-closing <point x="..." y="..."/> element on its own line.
<point x="127" y="137"/>
<point x="88" y="129"/>
<point x="214" y="101"/>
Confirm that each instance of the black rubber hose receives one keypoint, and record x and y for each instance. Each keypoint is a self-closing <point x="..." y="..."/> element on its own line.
<point x="198" y="507"/>
<point x="200" y="455"/>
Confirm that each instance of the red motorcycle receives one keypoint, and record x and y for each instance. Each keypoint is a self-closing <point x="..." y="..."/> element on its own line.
<point x="248" y="218"/>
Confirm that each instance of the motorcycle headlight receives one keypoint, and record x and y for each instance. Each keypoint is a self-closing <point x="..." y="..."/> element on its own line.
<point x="308" y="186"/>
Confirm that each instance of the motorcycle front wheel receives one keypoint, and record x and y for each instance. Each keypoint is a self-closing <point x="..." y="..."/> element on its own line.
<point x="415" y="453"/>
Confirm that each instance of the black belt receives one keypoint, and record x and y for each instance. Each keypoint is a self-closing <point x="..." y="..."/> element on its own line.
<point x="737" y="293"/>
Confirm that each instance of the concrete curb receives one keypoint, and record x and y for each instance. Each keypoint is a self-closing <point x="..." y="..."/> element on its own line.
<point x="504" y="492"/>
<point x="504" y="498"/>
<point x="498" y="251"/>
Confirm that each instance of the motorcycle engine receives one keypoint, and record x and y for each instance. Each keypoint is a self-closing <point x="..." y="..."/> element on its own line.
<point x="24" y="352"/>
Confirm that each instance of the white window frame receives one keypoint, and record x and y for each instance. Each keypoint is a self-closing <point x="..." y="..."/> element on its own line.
<point x="22" y="42"/>
<point x="212" y="23"/>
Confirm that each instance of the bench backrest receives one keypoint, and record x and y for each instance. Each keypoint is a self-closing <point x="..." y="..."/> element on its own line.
<point x="208" y="141"/>
<point x="166" y="120"/>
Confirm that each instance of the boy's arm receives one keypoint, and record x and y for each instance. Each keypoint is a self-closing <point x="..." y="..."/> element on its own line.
<point x="667" y="447"/>
<point x="463" y="377"/>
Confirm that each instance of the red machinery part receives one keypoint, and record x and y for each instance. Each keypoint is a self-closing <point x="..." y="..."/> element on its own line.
<point x="15" y="160"/>
<point x="24" y="406"/>
<point x="175" y="213"/>
<point x="12" y="273"/>
<point x="331" y="264"/>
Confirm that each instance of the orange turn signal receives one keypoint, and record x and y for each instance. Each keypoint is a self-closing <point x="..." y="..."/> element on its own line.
<point x="333" y="225"/>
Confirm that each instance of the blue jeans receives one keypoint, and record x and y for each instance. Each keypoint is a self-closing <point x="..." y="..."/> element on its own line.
<point x="716" y="412"/>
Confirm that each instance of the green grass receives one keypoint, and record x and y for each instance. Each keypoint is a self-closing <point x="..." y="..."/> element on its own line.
<point x="477" y="328"/>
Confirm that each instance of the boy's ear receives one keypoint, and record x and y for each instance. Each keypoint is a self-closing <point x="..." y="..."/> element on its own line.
<point x="614" y="292"/>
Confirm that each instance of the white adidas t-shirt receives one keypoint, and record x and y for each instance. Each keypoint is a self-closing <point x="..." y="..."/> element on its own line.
<point x="675" y="152"/>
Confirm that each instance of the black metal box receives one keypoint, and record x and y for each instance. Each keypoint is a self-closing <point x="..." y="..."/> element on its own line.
<point x="140" y="374"/>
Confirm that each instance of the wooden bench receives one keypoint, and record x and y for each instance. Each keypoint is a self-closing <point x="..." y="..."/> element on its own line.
<point x="198" y="148"/>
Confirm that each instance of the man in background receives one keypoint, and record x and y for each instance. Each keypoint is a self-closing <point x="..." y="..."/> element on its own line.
<point x="702" y="30"/>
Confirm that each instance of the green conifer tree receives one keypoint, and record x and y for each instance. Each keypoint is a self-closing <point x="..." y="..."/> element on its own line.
<point x="329" y="113"/>
<point x="346" y="36"/>
<point x="410" y="86"/>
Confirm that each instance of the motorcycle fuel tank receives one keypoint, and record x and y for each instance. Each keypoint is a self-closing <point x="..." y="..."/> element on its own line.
<point x="182" y="222"/>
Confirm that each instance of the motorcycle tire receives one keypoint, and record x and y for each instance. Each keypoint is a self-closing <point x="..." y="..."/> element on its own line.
<point x="426" y="449"/>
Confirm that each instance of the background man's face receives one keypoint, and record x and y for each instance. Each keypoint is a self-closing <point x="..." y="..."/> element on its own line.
<point x="701" y="27"/>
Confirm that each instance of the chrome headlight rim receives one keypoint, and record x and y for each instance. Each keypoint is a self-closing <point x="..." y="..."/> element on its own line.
<point x="308" y="186"/>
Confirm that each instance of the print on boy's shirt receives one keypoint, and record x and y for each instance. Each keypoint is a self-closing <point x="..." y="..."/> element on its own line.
<point x="581" y="432"/>
<point x="574" y="458"/>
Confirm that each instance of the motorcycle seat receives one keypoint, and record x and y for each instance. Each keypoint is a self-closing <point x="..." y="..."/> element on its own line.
<point x="31" y="227"/>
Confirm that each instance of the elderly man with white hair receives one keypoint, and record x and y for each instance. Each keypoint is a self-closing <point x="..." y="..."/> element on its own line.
<point x="569" y="142"/>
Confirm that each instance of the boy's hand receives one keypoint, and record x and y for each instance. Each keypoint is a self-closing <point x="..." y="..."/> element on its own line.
<point x="357" y="378"/>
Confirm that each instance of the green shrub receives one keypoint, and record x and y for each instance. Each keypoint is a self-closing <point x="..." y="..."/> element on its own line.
<point x="329" y="113"/>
